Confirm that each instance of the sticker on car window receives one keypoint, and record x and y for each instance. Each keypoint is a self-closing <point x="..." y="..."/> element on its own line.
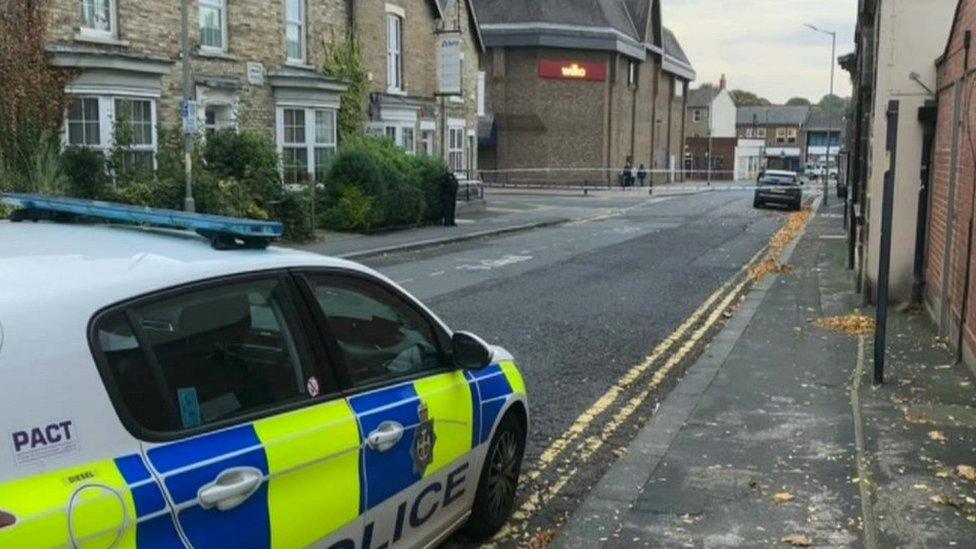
<point x="189" y="407"/>
<point x="312" y="387"/>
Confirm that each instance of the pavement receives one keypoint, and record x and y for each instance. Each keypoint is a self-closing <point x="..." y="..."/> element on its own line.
<point x="775" y="436"/>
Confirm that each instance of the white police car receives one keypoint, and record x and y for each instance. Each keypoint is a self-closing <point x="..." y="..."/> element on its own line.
<point x="158" y="393"/>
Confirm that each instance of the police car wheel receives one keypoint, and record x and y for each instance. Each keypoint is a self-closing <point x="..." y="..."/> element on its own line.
<point x="499" y="480"/>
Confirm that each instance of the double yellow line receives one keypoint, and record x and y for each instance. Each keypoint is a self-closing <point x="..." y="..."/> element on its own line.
<point x="683" y="341"/>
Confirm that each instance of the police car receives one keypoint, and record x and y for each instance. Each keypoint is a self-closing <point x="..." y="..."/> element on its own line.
<point x="158" y="393"/>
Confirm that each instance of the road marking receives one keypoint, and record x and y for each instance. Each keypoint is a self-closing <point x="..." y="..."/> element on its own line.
<point x="584" y="420"/>
<point x="489" y="264"/>
<point x="593" y="443"/>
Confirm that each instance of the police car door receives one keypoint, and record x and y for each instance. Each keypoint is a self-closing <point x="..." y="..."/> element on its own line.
<point x="252" y="443"/>
<point x="414" y="409"/>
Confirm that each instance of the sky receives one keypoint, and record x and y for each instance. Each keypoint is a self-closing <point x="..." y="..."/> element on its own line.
<point x="762" y="45"/>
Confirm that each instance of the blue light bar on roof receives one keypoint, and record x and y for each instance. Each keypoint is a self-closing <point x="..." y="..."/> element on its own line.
<point x="208" y="225"/>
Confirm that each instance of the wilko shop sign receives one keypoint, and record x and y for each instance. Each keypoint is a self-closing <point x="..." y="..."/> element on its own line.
<point x="572" y="70"/>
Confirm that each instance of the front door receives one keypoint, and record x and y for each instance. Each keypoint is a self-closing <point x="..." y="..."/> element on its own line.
<point x="259" y="449"/>
<point x="415" y="411"/>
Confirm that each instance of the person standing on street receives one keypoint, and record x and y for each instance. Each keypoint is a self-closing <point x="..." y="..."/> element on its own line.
<point x="626" y="174"/>
<point x="449" y="191"/>
<point x="641" y="174"/>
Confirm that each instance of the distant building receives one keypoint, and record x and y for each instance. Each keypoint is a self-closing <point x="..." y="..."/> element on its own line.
<point x="823" y="137"/>
<point x="711" y="137"/>
<point x="780" y="128"/>
<point x="575" y="90"/>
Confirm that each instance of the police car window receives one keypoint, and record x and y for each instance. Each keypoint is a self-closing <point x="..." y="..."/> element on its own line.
<point x="198" y="358"/>
<point x="380" y="336"/>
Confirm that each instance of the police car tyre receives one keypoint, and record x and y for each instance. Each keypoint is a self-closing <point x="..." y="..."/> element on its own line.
<point x="495" y="497"/>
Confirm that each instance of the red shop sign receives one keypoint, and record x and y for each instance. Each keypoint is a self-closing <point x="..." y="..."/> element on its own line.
<point x="572" y="70"/>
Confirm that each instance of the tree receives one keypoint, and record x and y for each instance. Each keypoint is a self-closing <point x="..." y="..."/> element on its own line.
<point x="32" y="97"/>
<point x="798" y="102"/>
<point x="836" y="103"/>
<point x="743" y="98"/>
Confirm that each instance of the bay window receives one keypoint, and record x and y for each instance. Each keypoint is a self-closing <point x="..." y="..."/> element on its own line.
<point x="106" y="122"/>
<point x="213" y="25"/>
<point x="295" y="31"/>
<point x="307" y="139"/>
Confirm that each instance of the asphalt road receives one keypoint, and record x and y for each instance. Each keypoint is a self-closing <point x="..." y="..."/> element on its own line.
<point x="580" y="304"/>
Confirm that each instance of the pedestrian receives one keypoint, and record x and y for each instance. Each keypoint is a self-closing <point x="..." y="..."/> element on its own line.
<point x="626" y="174"/>
<point x="642" y="174"/>
<point x="633" y="175"/>
<point x="449" y="191"/>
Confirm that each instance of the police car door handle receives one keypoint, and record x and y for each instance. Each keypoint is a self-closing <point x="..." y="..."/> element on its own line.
<point x="385" y="436"/>
<point x="231" y="488"/>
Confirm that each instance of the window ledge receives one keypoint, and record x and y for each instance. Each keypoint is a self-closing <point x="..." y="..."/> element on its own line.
<point x="103" y="39"/>
<point x="215" y="54"/>
<point x="396" y="91"/>
<point x="299" y="65"/>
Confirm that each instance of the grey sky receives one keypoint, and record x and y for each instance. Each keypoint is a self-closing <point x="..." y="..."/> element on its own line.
<point x="762" y="45"/>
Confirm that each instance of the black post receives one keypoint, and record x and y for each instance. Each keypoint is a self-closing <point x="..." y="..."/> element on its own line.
<point x="887" y="212"/>
<point x="927" y="116"/>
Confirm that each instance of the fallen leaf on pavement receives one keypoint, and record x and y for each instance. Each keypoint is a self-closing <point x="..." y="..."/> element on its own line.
<point x="942" y="474"/>
<point x="937" y="436"/>
<point x="967" y="472"/>
<point x="949" y="501"/>
<point x="768" y="267"/>
<point x="798" y="540"/>
<point x="541" y="540"/>
<point x="921" y="486"/>
<point x="783" y="497"/>
<point x="853" y="324"/>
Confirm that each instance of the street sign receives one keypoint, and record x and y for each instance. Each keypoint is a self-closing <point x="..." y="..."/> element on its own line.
<point x="255" y="73"/>
<point x="189" y="116"/>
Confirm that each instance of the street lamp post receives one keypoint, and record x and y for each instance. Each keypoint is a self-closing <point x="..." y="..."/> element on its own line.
<point x="830" y="119"/>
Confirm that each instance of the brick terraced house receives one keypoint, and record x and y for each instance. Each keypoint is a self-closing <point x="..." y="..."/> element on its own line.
<point x="258" y="65"/>
<point x="576" y="88"/>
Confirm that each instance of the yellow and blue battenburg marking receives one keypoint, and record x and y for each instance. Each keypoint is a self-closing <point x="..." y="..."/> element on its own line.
<point x="315" y="458"/>
<point x="115" y="503"/>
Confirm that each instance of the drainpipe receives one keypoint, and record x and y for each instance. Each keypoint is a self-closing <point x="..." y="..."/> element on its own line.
<point x="927" y="116"/>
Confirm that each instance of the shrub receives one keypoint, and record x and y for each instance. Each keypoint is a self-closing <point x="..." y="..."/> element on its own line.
<point x="353" y="211"/>
<point x="295" y="212"/>
<point x="249" y="158"/>
<point x="85" y="170"/>
<point x="405" y="189"/>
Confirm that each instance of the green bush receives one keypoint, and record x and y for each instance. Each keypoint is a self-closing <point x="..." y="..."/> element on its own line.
<point x="353" y="211"/>
<point x="295" y="212"/>
<point x="404" y="189"/>
<point x="85" y="170"/>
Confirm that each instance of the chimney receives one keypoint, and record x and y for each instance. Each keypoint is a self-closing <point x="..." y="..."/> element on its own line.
<point x="721" y="83"/>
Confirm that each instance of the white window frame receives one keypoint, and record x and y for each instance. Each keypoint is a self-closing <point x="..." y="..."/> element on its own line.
<point x="696" y="115"/>
<point x="748" y="133"/>
<point x="221" y="7"/>
<point x="403" y="134"/>
<point x="311" y="143"/>
<point x="302" y="24"/>
<point x="761" y="132"/>
<point x="456" y="154"/>
<point x="482" y="100"/>
<point x="395" y="25"/>
<point x="106" y="123"/>
<point x="112" y="31"/>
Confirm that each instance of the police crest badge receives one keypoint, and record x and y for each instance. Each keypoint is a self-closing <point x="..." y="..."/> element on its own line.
<point x="424" y="439"/>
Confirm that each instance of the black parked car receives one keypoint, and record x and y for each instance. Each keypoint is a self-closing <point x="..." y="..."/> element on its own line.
<point x="779" y="187"/>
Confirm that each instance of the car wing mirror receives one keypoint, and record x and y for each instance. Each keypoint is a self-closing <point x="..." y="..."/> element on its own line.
<point x="470" y="351"/>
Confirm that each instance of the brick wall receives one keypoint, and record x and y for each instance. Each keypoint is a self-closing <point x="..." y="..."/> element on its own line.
<point x="952" y="193"/>
<point x="255" y="33"/>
